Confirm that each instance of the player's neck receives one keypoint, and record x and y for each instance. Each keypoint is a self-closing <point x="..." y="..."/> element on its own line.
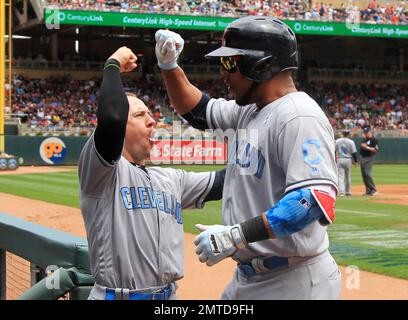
<point x="274" y="89"/>
<point x="132" y="160"/>
<point x="271" y="93"/>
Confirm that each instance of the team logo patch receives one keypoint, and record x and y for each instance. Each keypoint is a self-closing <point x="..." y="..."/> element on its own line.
<point x="314" y="171"/>
<point x="53" y="150"/>
<point x="305" y="203"/>
<point x="311" y="151"/>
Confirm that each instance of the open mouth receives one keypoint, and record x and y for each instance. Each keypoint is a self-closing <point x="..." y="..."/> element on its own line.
<point x="153" y="136"/>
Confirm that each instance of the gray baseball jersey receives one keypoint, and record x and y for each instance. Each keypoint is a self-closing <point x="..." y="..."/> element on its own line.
<point x="286" y="145"/>
<point x="345" y="147"/>
<point x="133" y="219"/>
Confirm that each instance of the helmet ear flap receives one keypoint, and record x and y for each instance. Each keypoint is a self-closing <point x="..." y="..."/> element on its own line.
<point x="263" y="69"/>
<point x="263" y="64"/>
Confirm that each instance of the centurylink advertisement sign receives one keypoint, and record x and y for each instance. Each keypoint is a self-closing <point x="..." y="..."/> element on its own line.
<point x="54" y="17"/>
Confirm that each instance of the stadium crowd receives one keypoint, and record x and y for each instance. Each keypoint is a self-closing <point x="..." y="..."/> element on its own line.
<point x="61" y="102"/>
<point x="390" y="13"/>
<point x="381" y="106"/>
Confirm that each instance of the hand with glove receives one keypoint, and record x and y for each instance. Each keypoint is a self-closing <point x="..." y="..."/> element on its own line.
<point x="169" y="45"/>
<point x="218" y="242"/>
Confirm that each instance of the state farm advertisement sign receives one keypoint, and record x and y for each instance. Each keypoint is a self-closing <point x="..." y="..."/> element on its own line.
<point x="188" y="152"/>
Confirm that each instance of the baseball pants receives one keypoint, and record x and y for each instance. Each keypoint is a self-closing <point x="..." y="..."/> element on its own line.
<point x="315" y="279"/>
<point x="344" y="170"/>
<point x="366" y="169"/>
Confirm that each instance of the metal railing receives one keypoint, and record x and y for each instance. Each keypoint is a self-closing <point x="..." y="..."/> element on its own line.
<point x="28" y="254"/>
<point x="357" y="73"/>
<point x="61" y="65"/>
<point x="97" y="65"/>
<point x="26" y="130"/>
<point x="378" y="133"/>
<point x="214" y="69"/>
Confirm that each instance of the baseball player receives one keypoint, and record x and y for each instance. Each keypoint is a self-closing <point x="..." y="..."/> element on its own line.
<point x="368" y="149"/>
<point x="280" y="185"/>
<point x="346" y="154"/>
<point x="132" y="213"/>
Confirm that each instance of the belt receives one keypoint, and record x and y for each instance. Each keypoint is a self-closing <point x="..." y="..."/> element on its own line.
<point x="126" y="294"/>
<point x="261" y="265"/>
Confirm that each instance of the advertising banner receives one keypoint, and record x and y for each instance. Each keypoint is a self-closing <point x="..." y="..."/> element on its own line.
<point x="54" y="17"/>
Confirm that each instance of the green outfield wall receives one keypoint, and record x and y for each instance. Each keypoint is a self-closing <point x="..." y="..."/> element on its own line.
<point x="66" y="150"/>
<point x="45" y="150"/>
<point x="392" y="150"/>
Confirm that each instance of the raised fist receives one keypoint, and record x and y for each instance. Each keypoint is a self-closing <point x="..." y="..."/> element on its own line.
<point x="126" y="58"/>
<point x="169" y="45"/>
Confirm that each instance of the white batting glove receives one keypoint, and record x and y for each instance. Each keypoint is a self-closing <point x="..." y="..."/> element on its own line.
<point x="168" y="48"/>
<point x="217" y="242"/>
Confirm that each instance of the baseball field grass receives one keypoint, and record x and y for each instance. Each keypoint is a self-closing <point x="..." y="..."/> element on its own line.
<point x="370" y="235"/>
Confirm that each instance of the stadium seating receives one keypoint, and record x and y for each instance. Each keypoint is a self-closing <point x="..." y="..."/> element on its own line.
<point x="60" y="102"/>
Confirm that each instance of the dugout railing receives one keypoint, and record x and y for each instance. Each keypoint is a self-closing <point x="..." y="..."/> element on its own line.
<point x="42" y="263"/>
<point x="368" y="74"/>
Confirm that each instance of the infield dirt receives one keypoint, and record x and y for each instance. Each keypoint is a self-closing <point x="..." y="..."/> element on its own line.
<point x="200" y="281"/>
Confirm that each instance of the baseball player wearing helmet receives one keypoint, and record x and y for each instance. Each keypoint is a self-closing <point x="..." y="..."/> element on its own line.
<point x="280" y="184"/>
<point x="132" y="213"/>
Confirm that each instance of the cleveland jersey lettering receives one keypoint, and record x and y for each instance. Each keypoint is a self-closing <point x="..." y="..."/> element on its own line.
<point x="134" y="218"/>
<point x="147" y="198"/>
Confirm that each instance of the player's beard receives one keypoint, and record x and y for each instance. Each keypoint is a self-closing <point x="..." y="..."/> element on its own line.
<point x="247" y="97"/>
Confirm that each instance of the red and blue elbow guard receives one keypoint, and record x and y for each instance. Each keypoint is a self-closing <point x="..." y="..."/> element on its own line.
<point x="298" y="209"/>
